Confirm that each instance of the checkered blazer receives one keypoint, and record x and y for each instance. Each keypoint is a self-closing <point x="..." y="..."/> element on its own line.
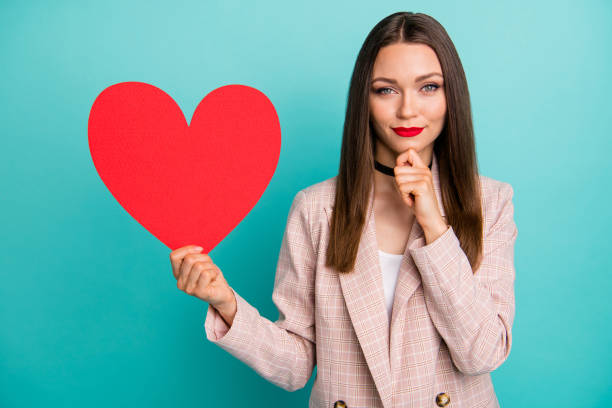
<point x="449" y="327"/>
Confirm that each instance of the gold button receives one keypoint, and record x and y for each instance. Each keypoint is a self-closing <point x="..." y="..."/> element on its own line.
<point x="442" y="399"/>
<point x="340" y="404"/>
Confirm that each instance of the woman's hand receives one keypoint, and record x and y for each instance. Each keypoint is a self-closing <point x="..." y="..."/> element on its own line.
<point x="414" y="182"/>
<point x="197" y="275"/>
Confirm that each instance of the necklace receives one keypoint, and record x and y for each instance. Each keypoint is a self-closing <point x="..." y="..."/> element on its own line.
<point x="389" y="170"/>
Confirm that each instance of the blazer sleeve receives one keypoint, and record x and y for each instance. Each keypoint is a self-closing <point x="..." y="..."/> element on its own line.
<point x="473" y="312"/>
<point x="282" y="352"/>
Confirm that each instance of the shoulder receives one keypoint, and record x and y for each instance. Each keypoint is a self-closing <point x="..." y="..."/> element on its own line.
<point x="310" y="207"/>
<point x="496" y="198"/>
<point x="314" y="202"/>
<point x="319" y="195"/>
<point x="495" y="190"/>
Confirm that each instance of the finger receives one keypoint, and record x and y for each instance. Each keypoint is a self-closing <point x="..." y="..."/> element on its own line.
<point x="409" y="177"/>
<point x="197" y="270"/>
<point x="410" y="170"/>
<point x="406" y="193"/>
<point x="176" y="256"/>
<point x="404" y="159"/>
<point x="202" y="284"/>
<point x="416" y="159"/>
<point x="406" y="196"/>
<point x="185" y="268"/>
<point x="416" y="188"/>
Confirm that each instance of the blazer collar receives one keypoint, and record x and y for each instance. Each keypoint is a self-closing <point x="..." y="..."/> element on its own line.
<point x="364" y="295"/>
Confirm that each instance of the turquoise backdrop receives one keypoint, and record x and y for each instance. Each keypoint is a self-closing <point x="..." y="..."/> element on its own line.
<point x="89" y="309"/>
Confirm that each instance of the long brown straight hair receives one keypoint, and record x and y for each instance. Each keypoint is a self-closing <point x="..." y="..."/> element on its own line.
<point x="454" y="147"/>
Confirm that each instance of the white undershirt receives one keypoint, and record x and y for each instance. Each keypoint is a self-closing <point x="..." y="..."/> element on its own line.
<point x="390" y="266"/>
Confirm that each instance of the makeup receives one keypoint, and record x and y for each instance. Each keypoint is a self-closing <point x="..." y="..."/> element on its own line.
<point x="407" y="132"/>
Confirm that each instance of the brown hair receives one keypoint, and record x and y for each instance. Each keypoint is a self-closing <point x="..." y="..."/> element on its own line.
<point x="454" y="147"/>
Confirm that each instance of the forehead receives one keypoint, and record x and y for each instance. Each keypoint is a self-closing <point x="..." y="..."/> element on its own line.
<point x="405" y="61"/>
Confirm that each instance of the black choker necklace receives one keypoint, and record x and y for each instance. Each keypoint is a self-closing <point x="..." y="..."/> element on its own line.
<point x="389" y="170"/>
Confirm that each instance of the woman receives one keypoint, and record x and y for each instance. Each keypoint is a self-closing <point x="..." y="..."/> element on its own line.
<point x="396" y="277"/>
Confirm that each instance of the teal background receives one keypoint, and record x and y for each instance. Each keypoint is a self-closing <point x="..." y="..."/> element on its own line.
<point x="90" y="314"/>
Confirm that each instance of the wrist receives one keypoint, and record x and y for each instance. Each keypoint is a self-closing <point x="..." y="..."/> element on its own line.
<point x="228" y="310"/>
<point x="434" y="232"/>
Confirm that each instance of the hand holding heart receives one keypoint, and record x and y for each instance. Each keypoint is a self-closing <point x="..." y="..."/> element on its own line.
<point x="414" y="182"/>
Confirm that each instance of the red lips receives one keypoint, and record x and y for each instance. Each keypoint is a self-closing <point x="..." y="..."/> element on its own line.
<point x="408" y="132"/>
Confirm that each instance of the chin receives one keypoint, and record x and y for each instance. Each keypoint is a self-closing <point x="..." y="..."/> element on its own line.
<point x="410" y="144"/>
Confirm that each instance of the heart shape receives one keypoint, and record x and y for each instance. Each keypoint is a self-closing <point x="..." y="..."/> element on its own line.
<point x="185" y="183"/>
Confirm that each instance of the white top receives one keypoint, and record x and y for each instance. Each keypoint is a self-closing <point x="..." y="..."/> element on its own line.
<point x="390" y="266"/>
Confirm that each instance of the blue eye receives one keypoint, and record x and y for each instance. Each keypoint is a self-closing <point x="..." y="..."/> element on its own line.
<point x="435" y="86"/>
<point x="379" y="91"/>
<point x="431" y="88"/>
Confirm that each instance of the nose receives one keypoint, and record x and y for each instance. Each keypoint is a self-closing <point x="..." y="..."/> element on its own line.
<point x="408" y="106"/>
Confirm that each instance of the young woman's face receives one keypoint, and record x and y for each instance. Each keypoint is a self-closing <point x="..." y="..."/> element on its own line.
<point x="406" y="98"/>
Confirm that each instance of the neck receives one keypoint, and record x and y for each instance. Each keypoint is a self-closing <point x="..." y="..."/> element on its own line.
<point x="384" y="183"/>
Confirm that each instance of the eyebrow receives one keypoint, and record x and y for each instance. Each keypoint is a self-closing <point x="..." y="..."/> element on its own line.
<point x="420" y="78"/>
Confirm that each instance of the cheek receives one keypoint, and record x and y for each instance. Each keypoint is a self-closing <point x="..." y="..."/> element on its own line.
<point x="377" y="112"/>
<point x="436" y="110"/>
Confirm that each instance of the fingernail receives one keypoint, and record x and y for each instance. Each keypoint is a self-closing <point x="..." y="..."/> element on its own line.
<point x="198" y="248"/>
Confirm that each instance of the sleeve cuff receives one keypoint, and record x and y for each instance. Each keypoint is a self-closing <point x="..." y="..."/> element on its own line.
<point x="218" y="327"/>
<point x="218" y="331"/>
<point x="439" y="252"/>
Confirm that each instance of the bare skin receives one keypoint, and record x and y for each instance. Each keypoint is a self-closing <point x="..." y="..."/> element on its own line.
<point x="197" y="275"/>
<point x="393" y="223"/>
<point x="405" y="102"/>
<point x="399" y="200"/>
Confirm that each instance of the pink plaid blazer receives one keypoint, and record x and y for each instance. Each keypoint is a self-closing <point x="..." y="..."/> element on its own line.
<point x="449" y="327"/>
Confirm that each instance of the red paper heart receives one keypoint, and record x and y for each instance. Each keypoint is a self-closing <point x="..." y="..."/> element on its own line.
<point x="185" y="184"/>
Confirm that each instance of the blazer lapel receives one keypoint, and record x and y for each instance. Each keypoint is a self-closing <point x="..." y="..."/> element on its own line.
<point x="409" y="277"/>
<point x="364" y="294"/>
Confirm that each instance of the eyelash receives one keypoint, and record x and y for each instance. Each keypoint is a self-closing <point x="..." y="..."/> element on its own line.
<point x="378" y="91"/>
